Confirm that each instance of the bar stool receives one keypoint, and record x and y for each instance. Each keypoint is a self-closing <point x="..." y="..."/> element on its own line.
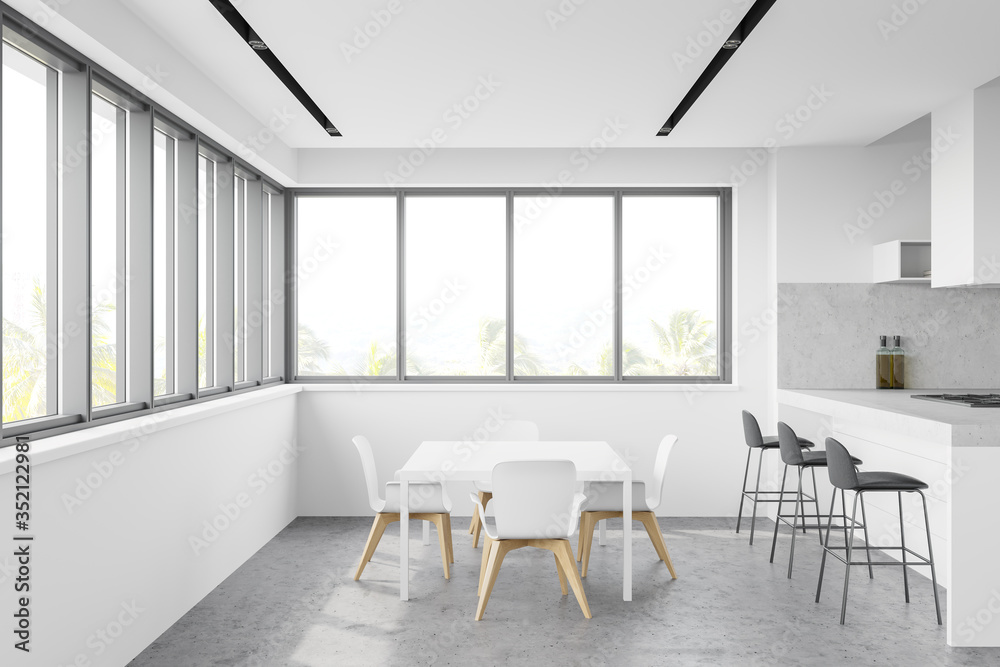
<point x="844" y="476"/>
<point x="793" y="455"/>
<point x="754" y="439"/>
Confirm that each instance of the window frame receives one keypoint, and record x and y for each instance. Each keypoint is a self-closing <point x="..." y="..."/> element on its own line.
<point x="724" y="301"/>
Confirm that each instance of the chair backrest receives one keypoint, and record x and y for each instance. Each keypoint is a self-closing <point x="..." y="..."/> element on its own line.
<point x="660" y="465"/>
<point x="368" y="464"/>
<point x="751" y="431"/>
<point x="843" y="474"/>
<point x="532" y="499"/>
<point x="516" y="430"/>
<point x="788" y="442"/>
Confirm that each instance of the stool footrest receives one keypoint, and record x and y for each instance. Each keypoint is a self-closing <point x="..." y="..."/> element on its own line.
<point x="921" y="559"/>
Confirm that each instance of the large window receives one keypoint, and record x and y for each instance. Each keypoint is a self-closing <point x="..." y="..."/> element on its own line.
<point x="164" y="263"/>
<point x="670" y="267"/>
<point x="30" y="198"/>
<point x="456" y="321"/>
<point x="596" y="285"/>
<point x="346" y="285"/>
<point x="564" y="286"/>
<point x="136" y="253"/>
<point x="109" y="132"/>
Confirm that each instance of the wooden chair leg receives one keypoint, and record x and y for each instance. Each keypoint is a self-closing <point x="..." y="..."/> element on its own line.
<point x="587" y="538"/>
<point x="656" y="537"/>
<point x="475" y="535"/>
<point x="487" y="544"/>
<point x="497" y="550"/>
<point x="565" y="554"/>
<point x="477" y="526"/>
<point x="378" y="527"/>
<point x="474" y="520"/>
<point x="447" y="534"/>
<point x="562" y="576"/>
<point x="438" y="521"/>
<point x="584" y="521"/>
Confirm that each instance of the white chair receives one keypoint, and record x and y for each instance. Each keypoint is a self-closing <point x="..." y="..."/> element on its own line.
<point x="604" y="501"/>
<point x="429" y="499"/>
<point x="515" y="431"/>
<point x="536" y="506"/>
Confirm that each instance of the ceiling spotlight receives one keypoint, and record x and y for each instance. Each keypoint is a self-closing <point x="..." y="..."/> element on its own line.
<point x="255" y="42"/>
<point x="735" y="39"/>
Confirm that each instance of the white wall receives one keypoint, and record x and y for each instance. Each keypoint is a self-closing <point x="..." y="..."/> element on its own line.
<point x="834" y="204"/>
<point x="144" y="494"/>
<point x="708" y="464"/>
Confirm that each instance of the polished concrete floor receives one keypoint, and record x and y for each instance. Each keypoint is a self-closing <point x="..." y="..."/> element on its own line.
<point x="295" y="603"/>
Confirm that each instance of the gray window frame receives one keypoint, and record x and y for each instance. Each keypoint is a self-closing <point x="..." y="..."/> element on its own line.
<point x="724" y="298"/>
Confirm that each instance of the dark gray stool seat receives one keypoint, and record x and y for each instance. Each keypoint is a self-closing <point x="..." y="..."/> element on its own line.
<point x="819" y="459"/>
<point x="771" y="442"/>
<point x="844" y="476"/>
<point x="761" y="443"/>
<point x="886" y="481"/>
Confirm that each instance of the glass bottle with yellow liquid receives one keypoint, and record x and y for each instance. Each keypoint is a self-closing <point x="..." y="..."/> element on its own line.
<point x="898" y="363"/>
<point x="883" y="365"/>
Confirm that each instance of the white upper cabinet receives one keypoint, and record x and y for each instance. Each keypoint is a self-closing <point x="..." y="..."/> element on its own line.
<point x="965" y="190"/>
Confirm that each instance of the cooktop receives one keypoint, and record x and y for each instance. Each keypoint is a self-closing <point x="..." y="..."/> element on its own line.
<point x="968" y="400"/>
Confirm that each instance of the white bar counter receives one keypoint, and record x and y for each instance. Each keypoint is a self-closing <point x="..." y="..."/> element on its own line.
<point x="954" y="449"/>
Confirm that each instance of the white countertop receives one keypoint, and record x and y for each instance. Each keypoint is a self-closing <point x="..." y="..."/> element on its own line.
<point x="956" y="425"/>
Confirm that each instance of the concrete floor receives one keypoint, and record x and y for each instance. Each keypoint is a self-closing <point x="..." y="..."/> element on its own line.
<point x="295" y="603"/>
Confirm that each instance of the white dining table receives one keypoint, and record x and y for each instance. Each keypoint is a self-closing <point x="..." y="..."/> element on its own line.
<point x="466" y="461"/>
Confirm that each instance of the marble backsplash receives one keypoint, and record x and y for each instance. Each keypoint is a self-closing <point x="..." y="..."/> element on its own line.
<point x="828" y="334"/>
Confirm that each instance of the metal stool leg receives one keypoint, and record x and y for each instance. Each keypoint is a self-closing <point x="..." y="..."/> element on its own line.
<point x="743" y="490"/>
<point x="756" y="491"/>
<point x="930" y="557"/>
<point x="819" y="531"/>
<point x="902" y="542"/>
<point x="822" y="562"/>
<point x="843" y="506"/>
<point x="868" y="551"/>
<point x="850" y="544"/>
<point x="777" y="518"/>
<point x="795" y="520"/>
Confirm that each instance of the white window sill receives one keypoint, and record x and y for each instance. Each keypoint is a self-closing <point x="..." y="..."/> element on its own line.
<point x="516" y="386"/>
<point x="57" y="447"/>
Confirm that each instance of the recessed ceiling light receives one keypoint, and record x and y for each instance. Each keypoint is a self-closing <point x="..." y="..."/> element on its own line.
<point x="730" y="44"/>
<point x="255" y="42"/>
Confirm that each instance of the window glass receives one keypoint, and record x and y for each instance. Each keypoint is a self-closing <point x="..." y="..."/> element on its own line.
<point x="670" y="285"/>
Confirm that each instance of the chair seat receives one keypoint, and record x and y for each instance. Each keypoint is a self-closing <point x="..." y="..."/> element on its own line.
<point x="425" y="498"/>
<point x="484" y="487"/>
<point x="818" y="459"/>
<point x="771" y="442"/>
<point x="888" y="481"/>
<point x="607" y="497"/>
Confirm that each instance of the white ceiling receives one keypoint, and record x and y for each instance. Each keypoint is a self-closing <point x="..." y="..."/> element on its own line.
<point x="608" y="60"/>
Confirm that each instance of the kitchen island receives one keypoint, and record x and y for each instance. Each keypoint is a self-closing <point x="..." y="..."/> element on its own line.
<point x="956" y="451"/>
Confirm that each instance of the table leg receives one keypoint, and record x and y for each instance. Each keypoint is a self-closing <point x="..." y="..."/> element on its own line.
<point x="404" y="539"/>
<point x="627" y="535"/>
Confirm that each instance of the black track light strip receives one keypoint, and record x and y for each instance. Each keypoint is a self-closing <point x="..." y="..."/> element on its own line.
<point x="742" y="31"/>
<point x="247" y="34"/>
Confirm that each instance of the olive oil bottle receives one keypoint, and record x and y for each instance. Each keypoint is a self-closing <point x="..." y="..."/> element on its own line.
<point x="883" y="365"/>
<point x="898" y="363"/>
